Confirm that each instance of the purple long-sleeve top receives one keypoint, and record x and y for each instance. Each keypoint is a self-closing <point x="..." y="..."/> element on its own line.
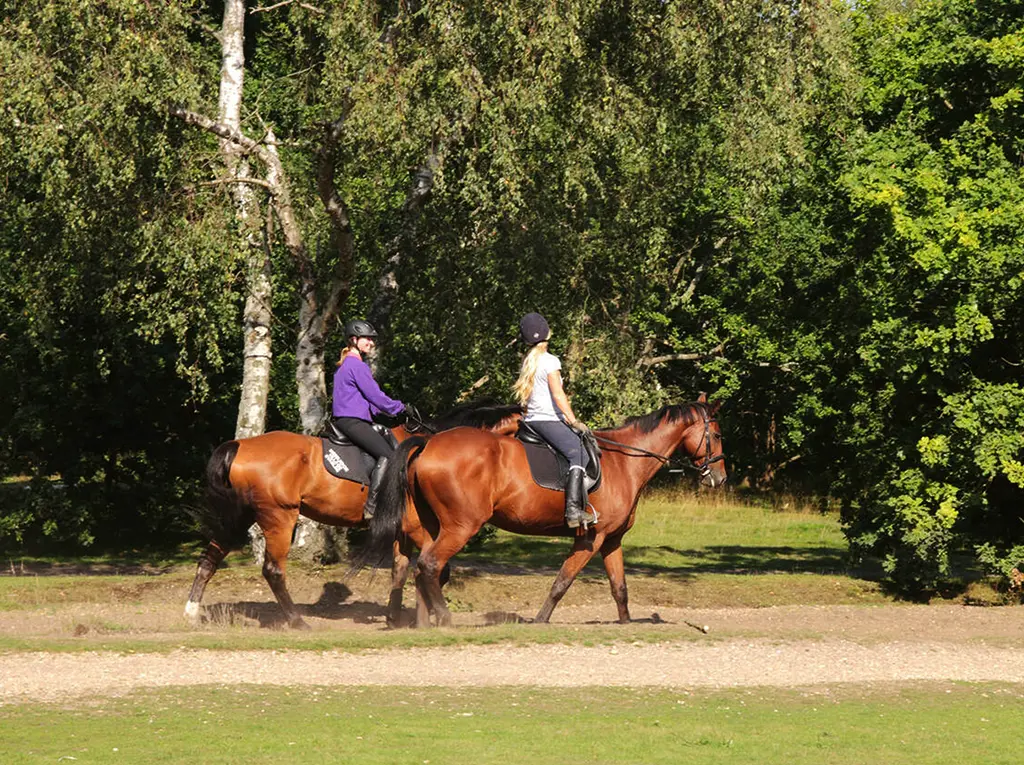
<point x="357" y="394"/>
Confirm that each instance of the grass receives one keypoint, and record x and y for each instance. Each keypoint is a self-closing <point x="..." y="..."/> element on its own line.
<point x="681" y="534"/>
<point x="927" y="724"/>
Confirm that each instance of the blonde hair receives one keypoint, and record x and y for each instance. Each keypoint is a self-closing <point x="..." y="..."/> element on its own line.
<point x="524" y="385"/>
<point x="344" y="352"/>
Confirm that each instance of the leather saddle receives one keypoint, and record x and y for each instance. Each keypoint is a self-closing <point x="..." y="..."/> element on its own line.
<point x="344" y="459"/>
<point x="550" y="468"/>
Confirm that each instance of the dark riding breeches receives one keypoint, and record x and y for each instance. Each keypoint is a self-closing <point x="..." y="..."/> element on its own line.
<point x="564" y="439"/>
<point x="362" y="434"/>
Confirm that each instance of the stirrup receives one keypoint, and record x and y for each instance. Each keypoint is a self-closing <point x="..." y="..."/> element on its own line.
<point x="587" y="517"/>
<point x="590" y="516"/>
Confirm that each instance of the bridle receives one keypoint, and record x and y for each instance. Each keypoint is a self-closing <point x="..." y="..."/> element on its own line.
<point x="704" y="468"/>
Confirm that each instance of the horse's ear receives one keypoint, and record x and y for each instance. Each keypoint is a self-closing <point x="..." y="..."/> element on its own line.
<point x="702" y="398"/>
<point x="713" y="407"/>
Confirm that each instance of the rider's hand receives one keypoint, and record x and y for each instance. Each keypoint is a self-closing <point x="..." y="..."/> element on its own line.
<point x="412" y="414"/>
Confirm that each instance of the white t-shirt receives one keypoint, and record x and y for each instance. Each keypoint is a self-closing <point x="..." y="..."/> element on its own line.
<point x="540" y="407"/>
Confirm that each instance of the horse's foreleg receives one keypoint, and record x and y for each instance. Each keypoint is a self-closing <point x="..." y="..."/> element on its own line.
<point x="274" y="563"/>
<point x="582" y="551"/>
<point x="208" y="564"/>
<point x="399" y="573"/>
<point x="611" y="551"/>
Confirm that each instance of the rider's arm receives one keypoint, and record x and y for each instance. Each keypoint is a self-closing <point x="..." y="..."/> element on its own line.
<point x="371" y="391"/>
<point x="558" y="396"/>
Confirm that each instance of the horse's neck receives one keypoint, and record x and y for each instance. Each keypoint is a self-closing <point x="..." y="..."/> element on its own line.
<point x="662" y="440"/>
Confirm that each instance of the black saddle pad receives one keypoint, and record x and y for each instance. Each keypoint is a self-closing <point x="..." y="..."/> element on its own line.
<point x="550" y="469"/>
<point x="348" y="461"/>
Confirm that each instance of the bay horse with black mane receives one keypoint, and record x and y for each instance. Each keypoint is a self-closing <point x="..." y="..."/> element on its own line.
<point x="272" y="478"/>
<point x="460" y="479"/>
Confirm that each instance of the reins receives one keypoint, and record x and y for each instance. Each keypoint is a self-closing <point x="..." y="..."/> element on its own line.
<point x="704" y="468"/>
<point x="640" y="452"/>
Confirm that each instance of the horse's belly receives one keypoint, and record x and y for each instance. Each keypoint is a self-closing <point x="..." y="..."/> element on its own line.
<point x="335" y="502"/>
<point x="534" y="519"/>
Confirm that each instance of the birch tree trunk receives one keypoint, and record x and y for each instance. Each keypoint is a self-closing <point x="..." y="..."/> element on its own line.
<point x="309" y="348"/>
<point x="256" y="340"/>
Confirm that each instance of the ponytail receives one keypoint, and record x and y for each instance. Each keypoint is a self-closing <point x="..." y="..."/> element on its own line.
<point x="524" y="385"/>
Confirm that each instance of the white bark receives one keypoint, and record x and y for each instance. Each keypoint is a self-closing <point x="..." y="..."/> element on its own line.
<point x="256" y="340"/>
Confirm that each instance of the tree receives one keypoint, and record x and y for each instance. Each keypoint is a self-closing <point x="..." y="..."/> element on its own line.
<point x="115" y="292"/>
<point x="933" y="449"/>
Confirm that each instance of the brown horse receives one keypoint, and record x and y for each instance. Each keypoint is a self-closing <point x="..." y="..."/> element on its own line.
<point x="273" y="478"/>
<point x="459" y="480"/>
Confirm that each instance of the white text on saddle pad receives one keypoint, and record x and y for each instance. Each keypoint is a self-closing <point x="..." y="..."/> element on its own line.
<point x="336" y="462"/>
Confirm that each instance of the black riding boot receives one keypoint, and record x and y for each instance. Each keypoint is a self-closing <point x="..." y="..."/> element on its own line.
<point x="575" y="498"/>
<point x="375" y="479"/>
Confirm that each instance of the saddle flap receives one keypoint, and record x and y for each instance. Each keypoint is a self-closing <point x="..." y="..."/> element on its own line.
<point x="347" y="461"/>
<point x="550" y="468"/>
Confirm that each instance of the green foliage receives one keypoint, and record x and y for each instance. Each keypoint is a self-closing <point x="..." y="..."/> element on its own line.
<point x="936" y="195"/>
<point x="116" y="289"/>
<point x="814" y="212"/>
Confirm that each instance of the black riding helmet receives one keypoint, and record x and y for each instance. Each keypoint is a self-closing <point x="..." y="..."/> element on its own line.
<point x="533" y="329"/>
<point x="360" y="328"/>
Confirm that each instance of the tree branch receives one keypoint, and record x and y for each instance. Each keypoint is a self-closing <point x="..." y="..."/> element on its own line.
<point x="468" y="392"/>
<point x="222" y="181"/>
<point x="716" y="351"/>
<point x="311" y="8"/>
<point x="342" y="239"/>
<point x="219" y="129"/>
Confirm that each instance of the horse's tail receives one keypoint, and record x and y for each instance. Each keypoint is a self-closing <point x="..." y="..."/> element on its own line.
<point x="225" y="516"/>
<point x="387" y="520"/>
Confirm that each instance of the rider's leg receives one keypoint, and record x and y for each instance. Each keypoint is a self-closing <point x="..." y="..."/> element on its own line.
<point x="566" y="441"/>
<point x="363" y="435"/>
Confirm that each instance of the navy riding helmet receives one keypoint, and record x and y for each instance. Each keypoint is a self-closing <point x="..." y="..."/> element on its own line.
<point x="533" y="329"/>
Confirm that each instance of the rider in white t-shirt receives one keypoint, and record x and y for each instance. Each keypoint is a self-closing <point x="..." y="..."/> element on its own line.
<point x="549" y="413"/>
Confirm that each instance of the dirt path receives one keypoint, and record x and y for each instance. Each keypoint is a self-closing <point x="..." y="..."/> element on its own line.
<point x="786" y="646"/>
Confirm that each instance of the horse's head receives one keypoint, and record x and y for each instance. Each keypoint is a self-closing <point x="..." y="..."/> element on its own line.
<point x="702" y="442"/>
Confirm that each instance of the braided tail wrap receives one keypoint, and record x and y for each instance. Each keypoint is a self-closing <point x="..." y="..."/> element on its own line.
<point x="386" y="523"/>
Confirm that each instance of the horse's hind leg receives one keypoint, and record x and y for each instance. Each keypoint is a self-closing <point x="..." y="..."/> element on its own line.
<point x="431" y="567"/>
<point x="582" y="551"/>
<point x="275" y="561"/>
<point x="208" y="564"/>
<point x="399" y="573"/>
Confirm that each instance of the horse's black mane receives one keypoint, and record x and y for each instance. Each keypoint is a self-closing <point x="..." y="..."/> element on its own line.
<point x="646" y="423"/>
<point x="482" y="413"/>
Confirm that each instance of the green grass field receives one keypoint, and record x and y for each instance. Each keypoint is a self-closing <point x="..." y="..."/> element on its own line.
<point x="697" y="552"/>
<point x="680" y="534"/>
<point x="930" y="724"/>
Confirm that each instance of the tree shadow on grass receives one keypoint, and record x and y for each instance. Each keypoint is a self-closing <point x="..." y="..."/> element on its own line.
<point x="535" y="555"/>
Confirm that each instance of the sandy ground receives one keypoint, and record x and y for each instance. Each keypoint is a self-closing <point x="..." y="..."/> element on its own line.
<point x="772" y="645"/>
<point x="782" y="647"/>
<point x="48" y="677"/>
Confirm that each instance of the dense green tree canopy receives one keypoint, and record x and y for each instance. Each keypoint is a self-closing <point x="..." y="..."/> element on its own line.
<point x="813" y="211"/>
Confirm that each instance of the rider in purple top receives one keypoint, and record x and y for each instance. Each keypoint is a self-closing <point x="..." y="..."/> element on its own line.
<point x="357" y="394"/>
<point x="357" y="397"/>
